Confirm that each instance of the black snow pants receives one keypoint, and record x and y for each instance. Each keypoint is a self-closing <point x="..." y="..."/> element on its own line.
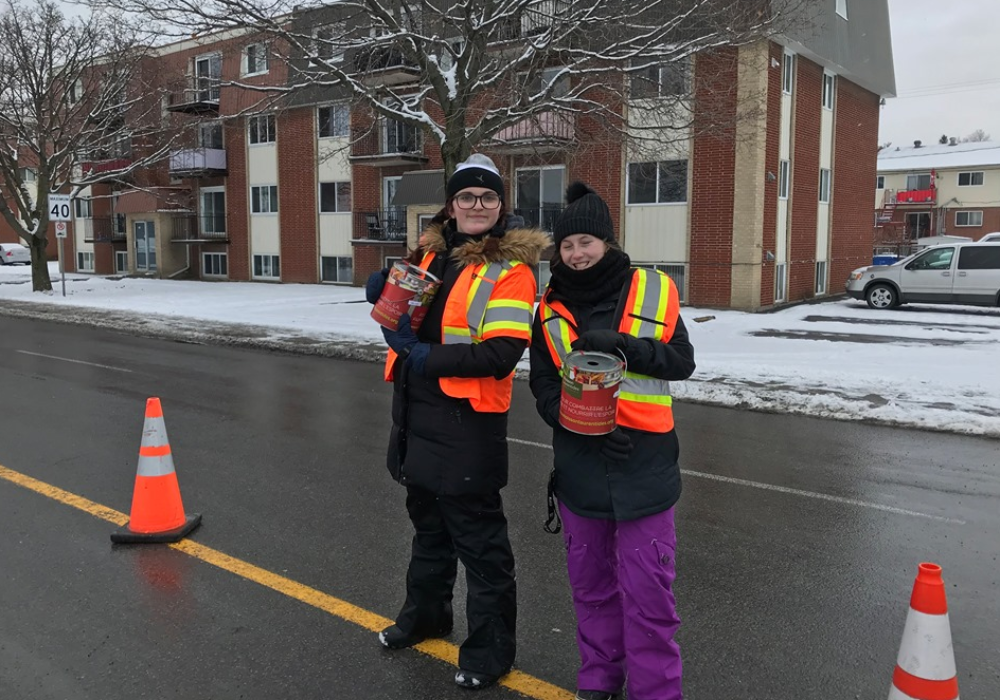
<point x="472" y="528"/>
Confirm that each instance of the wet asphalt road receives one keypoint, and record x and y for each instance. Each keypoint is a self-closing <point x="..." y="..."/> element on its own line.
<point x="799" y="538"/>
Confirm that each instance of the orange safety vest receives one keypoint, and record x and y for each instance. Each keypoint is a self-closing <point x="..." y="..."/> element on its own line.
<point x="650" y="311"/>
<point x="473" y="313"/>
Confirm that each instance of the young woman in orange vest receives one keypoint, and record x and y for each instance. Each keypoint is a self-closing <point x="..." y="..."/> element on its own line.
<point x="452" y="383"/>
<point x="616" y="492"/>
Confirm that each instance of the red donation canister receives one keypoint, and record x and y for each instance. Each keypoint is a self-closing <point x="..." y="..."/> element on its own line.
<point x="590" y="385"/>
<point x="408" y="289"/>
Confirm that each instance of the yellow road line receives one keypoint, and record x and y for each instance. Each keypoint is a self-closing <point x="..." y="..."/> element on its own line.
<point x="439" y="649"/>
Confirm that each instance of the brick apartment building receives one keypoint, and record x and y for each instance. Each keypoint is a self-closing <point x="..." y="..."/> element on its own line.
<point x="768" y="213"/>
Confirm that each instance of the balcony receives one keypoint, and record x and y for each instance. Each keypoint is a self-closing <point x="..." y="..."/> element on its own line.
<point x="204" y="228"/>
<point x="102" y="165"/>
<point x="387" y="225"/>
<point x="107" y="229"/>
<point x="391" y="143"/>
<point x="928" y="196"/>
<point x="201" y="97"/>
<point x="543" y="133"/>
<point x="198" y="162"/>
<point x="385" y="66"/>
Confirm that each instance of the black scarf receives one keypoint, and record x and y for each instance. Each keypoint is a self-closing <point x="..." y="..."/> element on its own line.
<point x="593" y="284"/>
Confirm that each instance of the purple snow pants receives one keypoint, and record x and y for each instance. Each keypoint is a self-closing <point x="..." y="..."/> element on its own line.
<point x="622" y="575"/>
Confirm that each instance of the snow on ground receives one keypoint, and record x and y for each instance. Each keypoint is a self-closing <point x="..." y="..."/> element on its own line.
<point x="933" y="367"/>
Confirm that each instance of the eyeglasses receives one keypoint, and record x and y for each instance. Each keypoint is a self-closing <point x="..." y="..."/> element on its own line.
<point x="490" y="200"/>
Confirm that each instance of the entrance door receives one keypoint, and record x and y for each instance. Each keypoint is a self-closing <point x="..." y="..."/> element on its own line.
<point x="145" y="246"/>
<point x="540" y="195"/>
<point x="918" y="225"/>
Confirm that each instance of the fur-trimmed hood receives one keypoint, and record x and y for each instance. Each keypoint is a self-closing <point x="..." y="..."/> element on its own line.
<point x="522" y="244"/>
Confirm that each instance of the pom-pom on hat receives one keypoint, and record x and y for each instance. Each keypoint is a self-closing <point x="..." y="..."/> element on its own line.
<point x="585" y="212"/>
<point x="477" y="171"/>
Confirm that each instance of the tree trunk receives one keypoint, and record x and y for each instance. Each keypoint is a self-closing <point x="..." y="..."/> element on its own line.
<point x="40" y="281"/>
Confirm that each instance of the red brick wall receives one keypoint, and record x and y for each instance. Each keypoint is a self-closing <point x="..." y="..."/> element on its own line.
<point x="991" y="222"/>
<point x="804" y="199"/>
<point x="855" y="151"/>
<point x="713" y="165"/>
<point x="237" y="204"/>
<point x="297" y="193"/>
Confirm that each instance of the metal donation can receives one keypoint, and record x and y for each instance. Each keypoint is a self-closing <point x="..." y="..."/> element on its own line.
<point x="408" y="289"/>
<point x="590" y="386"/>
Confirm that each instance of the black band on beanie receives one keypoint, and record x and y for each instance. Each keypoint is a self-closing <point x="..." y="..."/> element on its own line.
<point x="474" y="177"/>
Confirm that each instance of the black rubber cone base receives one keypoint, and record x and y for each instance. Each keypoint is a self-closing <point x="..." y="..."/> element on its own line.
<point x="126" y="536"/>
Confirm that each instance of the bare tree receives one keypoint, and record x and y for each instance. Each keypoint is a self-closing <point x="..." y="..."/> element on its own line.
<point x="483" y="72"/>
<point x="78" y="106"/>
<point x="976" y="136"/>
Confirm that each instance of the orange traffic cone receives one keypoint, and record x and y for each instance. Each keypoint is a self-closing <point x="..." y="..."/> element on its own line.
<point x="925" y="668"/>
<point x="157" y="511"/>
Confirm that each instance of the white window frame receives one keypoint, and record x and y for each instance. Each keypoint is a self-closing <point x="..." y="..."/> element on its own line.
<point x="270" y="129"/>
<point x="261" y="56"/>
<point x="203" y="217"/>
<point x="75" y="92"/>
<point x="973" y="218"/>
<point x="334" y="108"/>
<point x="821" y="276"/>
<point x="880" y="182"/>
<point x="784" y="179"/>
<point x="788" y="73"/>
<point x="270" y="267"/>
<point x="263" y="199"/>
<point x="120" y="256"/>
<point x="665" y="74"/>
<point x="84" y="261"/>
<point x="825" y="185"/>
<point x="222" y="260"/>
<point x="83" y="208"/>
<point x="658" y="163"/>
<point x="780" y="282"/>
<point x="829" y="90"/>
<point x="336" y="197"/>
<point x="338" y="258"/>
<point x="972" y="178"/>
<point x="917" y="176"/>
<point x="842" y="8"/>
<point x="209" y="129"/>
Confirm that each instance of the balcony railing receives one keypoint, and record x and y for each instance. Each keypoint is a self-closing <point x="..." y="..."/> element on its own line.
<point x="381" y="224"/>
<point x="107" y="229"/>
<point x="540" y="217"/>
<point x="385" y="66"/>
<point x="917" y="196"/>
<point x="192" y="228"/>
<point x="548" y="131"/>
<point x="390" y="143"/>
<point x="199" y="97"/>
<point x="195" y="162"/>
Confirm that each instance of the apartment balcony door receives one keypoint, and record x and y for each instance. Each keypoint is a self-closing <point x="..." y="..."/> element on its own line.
<point x="539" y="197"/>
<point x="145" y="246"/>
<point x="208" y="76"/>
<point x="395" y="215"/>
<point x="918" y="225"/>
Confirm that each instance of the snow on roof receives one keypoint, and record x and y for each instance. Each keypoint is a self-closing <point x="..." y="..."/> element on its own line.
<point x="939" y="157"/>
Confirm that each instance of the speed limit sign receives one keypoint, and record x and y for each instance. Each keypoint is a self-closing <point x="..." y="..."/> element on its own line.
<point x="59" y="207"/>
<point x="60" y="229"/>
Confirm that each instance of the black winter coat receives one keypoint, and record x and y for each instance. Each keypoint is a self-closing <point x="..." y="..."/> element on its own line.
<point x="586" y="482"/>
<point x="440" y="443"/>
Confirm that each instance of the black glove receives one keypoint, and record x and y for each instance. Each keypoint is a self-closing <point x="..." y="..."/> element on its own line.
<point x="402" y="340"/>
<point x="616" y="446"/>
<point x="373" y="287"/>
<point x="604" y="340"/>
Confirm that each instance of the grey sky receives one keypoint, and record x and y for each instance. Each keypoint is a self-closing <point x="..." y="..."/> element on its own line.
<point x="945" y="81"/>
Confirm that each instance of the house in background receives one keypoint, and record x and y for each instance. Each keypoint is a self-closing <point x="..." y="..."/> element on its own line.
<point x="948" y="189"/>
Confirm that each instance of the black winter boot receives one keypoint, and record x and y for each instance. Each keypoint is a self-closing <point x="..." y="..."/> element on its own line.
<point x="395" y="638"/>
<point x="474" y="680"/>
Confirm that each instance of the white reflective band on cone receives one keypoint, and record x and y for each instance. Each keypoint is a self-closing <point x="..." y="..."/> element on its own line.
<point x="926" y="650"/>
<point x="897" y="694"/>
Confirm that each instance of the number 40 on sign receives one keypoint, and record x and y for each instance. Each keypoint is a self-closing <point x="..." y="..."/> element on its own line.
<point x="59" y="207"/>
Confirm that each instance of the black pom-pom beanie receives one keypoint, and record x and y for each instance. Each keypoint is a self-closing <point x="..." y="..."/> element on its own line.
<point x="585" y="212"/>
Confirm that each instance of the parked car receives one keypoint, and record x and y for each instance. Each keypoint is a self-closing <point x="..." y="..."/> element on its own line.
<point x="961" y="273"/>
<point x="990" y="237"/>
<point x="14" y="253"/>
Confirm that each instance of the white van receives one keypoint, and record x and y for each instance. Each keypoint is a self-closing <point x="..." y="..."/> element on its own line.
<point x="960" y="273"/>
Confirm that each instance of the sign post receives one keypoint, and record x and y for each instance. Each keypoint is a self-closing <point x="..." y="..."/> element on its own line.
<point x="59" y="212"/>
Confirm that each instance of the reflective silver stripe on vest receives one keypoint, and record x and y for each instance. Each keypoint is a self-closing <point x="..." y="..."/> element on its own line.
<point x="650" y="304"/>
<point x="558" y="329"/>
<point x="644" y="385"/>
<point x="477" y="309"/>
<point x="501" y="314"/>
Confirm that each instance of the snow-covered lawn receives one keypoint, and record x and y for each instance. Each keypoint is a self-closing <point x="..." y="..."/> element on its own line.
<point x="928" y="366"/>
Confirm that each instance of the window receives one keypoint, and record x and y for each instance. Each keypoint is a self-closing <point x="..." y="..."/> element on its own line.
<point x="332" y="120"/>
<point x="255" y="59"/>
<point x="398" y="137"/>
<point x="327" y="45"/>
<point x="210" y="135"/>
<point x="85" y="262"/>
<point x="84" y="209"/>
<point x="546" y="77"/>
<point x="880" y="182"/>
<point x="390" y="260"/>
<point x="824" y="184"/>
<point x="821" y="277"/>
<point x="788" y="74"/>
<point x="29" y="175"/>
<point x="334" y="197"/>
<point x="214" y="264"/>
<point x="784" y="179"/>
<point x="918" y="182"/>
<point x="984" y="257"/>
<point x="261" y="128"/>
<point x="676" y="272"/>
<point x="267" y="267"/>
<point x="828" y="91"/>
<point x="842" y="8"/>
<point x="668" y="80"/>
<point x="779" y="282"/>
<point x="338" y="269"/>
<point x="657" y="183"/>
<point x="264" y="199"/>
<point x="75" y="92"/>
<point x="939" y="259"/>
<point x="968" y="218"/>
<point x="213" y="212"/>
<point x="539" y="195"/>
<point x="970" y="179"/>
<point x="121" y="261"/>
<point x="208" y="77"/>
<point x="543" y="273"/>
